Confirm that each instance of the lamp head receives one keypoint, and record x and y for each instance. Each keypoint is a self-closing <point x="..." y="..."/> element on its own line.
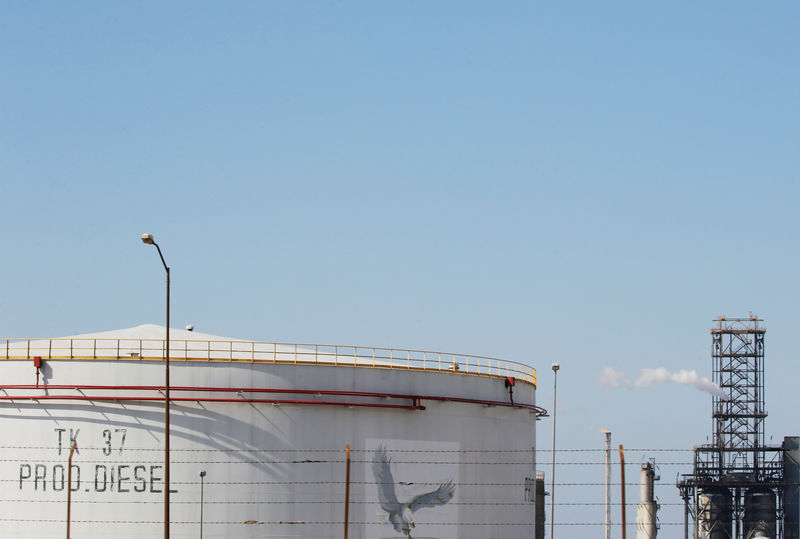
<point x="148" y="238"/>
<point x="203" y="473"/>
<point x="555" y="367"/>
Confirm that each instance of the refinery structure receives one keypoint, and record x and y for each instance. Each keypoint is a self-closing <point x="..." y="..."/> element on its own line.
<point x="267" y="439"/>
<point x="319" y="441"/>
<point x="740" y="487"/>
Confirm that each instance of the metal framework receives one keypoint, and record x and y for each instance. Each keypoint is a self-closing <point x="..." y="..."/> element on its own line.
<point x="737" y="463"/>
<point x="737" y="353"/>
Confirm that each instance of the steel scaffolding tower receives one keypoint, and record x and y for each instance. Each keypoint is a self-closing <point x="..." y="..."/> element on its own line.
<point x="737" y="353"/>
<point x="736" y="488"/>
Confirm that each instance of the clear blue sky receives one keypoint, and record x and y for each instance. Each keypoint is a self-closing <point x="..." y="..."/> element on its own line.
<point x="587" y="183"/>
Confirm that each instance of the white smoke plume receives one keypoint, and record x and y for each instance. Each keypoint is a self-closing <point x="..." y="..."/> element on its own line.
<point x="610" y="377"/>
<point x="613" y="378"/>
<point x="684" y="377"/>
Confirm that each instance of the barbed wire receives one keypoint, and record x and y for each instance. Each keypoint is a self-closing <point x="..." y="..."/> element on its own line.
<point x="352" y="450"/>
<point x="317" y="463"/>
<point x="317" y="502"/>
<point x="112" y="460"/>
<point x="317" y="522"/>
<point x="298" y="461"/>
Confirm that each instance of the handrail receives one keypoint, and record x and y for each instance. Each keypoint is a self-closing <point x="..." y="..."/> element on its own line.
<point x="264" y="352"/>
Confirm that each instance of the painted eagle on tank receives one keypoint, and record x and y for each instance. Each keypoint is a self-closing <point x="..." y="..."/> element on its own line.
<point x="401" y="514"/>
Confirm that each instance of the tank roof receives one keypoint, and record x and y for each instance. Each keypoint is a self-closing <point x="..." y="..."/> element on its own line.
<point x="151" y="331"/>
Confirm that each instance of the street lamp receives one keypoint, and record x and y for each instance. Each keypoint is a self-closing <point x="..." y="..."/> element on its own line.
<point x="148" y="238"/>
<point x="202" y="477"/>
<point x="555" y="367"/>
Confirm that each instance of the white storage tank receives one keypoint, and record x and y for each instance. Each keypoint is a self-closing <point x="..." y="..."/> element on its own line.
<point x="760" y="512"/>
<point x="715" y="514"/>
<point x="442" y="444"/>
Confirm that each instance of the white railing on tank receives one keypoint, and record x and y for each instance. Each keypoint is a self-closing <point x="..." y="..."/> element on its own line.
<point x="264" y="352"/>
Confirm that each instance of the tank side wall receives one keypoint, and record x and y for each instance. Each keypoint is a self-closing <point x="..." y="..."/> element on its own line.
<point x="276" y="470"/>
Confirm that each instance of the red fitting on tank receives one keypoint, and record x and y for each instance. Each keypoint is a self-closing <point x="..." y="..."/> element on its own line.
<point x="37" y="362"/>
<point x="510" y="385"/>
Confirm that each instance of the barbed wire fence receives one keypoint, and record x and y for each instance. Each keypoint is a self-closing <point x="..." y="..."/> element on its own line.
<point x="581" y="482"/>
<point x="303" y="489"/>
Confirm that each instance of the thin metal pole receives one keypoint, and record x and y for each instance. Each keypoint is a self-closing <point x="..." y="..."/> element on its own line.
<point x="696" y="494"/>
<point x="147" y="238"/>
<point x="347" y="493"/>
<point x="69" y="486"/>
<point x="622" y="473"/>
<point x="608" y="484"/>
<point x="202" y="484"/>
<point x="686" y="517"/>
<point x="555" y="368"/>
<point x="166" y="419"/>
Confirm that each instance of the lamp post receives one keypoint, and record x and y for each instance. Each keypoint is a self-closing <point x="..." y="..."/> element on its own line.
<point x="148" y="238"/>
<point x="202" y="478"/>
<point x="555" y="367"/>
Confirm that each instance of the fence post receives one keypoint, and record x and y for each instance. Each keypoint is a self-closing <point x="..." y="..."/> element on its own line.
<point x="622" y="473"/>
<point x="347" y="493"/>
<point x="69" y="486"/>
